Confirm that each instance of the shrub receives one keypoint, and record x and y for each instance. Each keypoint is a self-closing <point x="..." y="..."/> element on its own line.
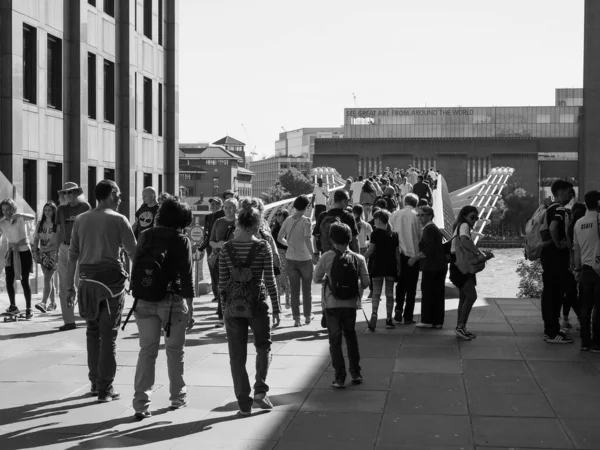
<point x="530" y="283"/>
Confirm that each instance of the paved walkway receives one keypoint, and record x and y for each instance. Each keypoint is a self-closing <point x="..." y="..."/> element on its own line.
<point x="422" y="389"/>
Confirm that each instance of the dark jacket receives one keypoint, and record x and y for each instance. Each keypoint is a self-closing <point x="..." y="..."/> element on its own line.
<point x="179" y="257"/>
<point x="422" y="190"/>
<point x="209" y="221"/>
<point x="433" y="248"/>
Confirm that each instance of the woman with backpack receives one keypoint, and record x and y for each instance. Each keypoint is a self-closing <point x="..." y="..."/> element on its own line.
<point x="367" y="198"/>
<point x="245" y="278"/>
<point x="384" y="252"/>
<point x="464" y="257"/>
<point x="222" y="231"/>
<point x="296" y="235"/>
<point x="173" y="312"/>
<point x="432" y="258"/>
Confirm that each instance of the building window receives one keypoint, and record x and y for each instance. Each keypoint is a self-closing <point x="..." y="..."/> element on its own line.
<point x="160" y="22"/>
<point x="109" y="91"/>
<point x="215" y="186"/>
<point x="160" y="109"/>
<point x="92" y="2"/>
<point x="185" y="176"/>
<point x="148" y="18"/>
<point x="29" y="64"/>
<point x="109" y="7"/>
<point x="160" y="189"/>
<point x="147" y="105"/>
<point x="54" y="72"/>
<point x="567" y="118"/>
<point x="543" y="118"/>
<point x="109" y="174"/>
<point x="92" y="86"/>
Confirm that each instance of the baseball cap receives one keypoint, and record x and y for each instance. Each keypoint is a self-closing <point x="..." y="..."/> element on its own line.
<point x="215" y="199"/>
<point x="229" y="192"/>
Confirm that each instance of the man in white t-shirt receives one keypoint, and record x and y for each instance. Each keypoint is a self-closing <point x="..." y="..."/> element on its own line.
<point x="356" y="189"/>
<point x="585" y="239"/>
<point x="319" y="198"/>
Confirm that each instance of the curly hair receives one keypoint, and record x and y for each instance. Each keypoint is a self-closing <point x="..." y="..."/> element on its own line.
<point x="174" y="213"/>
<point x="10" y="202"/>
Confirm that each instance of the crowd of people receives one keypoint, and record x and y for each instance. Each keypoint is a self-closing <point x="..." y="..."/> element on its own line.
<point x="375" y="234"/>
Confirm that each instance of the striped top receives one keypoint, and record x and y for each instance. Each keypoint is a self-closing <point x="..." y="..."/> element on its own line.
<point x="261" y="266"/>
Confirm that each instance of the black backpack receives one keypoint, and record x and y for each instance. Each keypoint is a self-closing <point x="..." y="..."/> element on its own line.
<point x="343" y="280"/>
<point x="151" y="279"/>
<point x="325" y="243"/>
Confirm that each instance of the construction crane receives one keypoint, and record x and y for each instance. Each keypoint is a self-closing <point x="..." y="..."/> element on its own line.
<point x="354" y="98"/>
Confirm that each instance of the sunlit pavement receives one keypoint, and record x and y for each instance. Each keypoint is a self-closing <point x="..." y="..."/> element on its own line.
<point x="422" y="388"/>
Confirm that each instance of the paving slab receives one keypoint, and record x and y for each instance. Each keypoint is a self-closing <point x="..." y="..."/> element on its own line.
<point x="522" y="432"/>
<point x="426" y="430"/>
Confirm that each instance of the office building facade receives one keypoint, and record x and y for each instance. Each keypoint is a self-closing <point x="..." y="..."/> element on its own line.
<point x="301" y="143"/>
<point x="89" y="91"/>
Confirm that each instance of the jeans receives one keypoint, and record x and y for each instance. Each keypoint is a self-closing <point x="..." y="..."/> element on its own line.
<point x="433" y="286"/>
<point x="214" y="273"/>
<point x="590" y="300"/>
<point x="389" y="294"/>
<point x="102" y="343"/>
<point x="9" y="271"/>
<point x="319" y="209"/>
<point x="151" y="318"/>
<point x="554" y="277"/>
<point x="406" y="288"/>
<point x="68" y="314"/>
<point x="237" y="340"/>
<point x="467" y="295"/>
<point x="572" y="296"/>
<point x="343" y="321"/>
<point x="300" y="272"/>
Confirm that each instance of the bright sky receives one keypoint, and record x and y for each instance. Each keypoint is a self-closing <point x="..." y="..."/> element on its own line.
<point x="272" y="63"/>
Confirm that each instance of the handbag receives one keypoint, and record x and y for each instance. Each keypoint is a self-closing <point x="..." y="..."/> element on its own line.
<point x="213" y="259"/>
<point x="467" y="261"/>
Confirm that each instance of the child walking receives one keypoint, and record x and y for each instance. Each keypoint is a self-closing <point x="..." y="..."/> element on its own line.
<point x="384" y="249"/>
<point x="343" y="273"/>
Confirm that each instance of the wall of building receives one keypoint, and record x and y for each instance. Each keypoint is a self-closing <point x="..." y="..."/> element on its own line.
<point x="43" y="146"/>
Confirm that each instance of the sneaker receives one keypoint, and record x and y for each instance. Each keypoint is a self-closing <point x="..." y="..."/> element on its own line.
<point x="389" y="324"/>
<point x="109" y="396"/>
<point x="12" y="309"/>
<point x="94" y="390"/>
<point x="140" y="415"/>
<point x="438" y="327"/>
<point x="297" y="323"/>
<point x="242" y="413"/>
<point x="566" y="324"/>
<point x="308" y="319"/>
<point x="356" y="377"/>
<point x="263" y="401"/>
<point x="338" y="383"/>
<point x="179" y="403"/>
<point x="41" y="307"/>
<point x="398" y="317"/>
<point x="471" y="335"/>
<point x="560" y="338"/>
<point x="409" y="322"/>
<point x="67" y="327"/>
<point x="51" y="307"/>
<point x="424" y="325"/>
<point x="373" y="322"/>
<point x="462" y="334"/>
<point x="28" y="314"/>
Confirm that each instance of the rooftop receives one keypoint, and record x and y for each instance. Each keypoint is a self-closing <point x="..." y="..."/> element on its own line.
<point x="228" y="140"/>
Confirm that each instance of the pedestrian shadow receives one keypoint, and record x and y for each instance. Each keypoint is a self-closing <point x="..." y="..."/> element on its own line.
<point x="29" y="334"/>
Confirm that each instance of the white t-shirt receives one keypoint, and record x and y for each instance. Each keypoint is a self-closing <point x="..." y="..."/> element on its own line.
<point x="356" y="189"/>
<point x="364" y="231"/>
<point x="405" y="189"/>
<point x="433" y="175"/>
<point x="463" y="230"/>
<point x="294" y="230"/>
<point x="319" y="193"/>
<point x="14" y="232"/>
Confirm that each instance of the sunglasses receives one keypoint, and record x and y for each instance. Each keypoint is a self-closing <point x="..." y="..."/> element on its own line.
<point x="474" y="218"/>
<point x="72" y="192"/>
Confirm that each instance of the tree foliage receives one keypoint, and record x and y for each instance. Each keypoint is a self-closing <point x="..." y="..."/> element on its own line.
<point x="530" y="283"/>
<point x="296" y="183"/>
<point x="516" y="206"/>
<point x="275" y="193"/>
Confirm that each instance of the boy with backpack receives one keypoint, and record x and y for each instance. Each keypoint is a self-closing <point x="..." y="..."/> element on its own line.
<point x="337" y="214"/>
<point x="343" y="274"/>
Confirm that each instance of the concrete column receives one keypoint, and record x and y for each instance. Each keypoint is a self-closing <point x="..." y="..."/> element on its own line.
<point x="589" y="155"/>
<point x="171" y="88"/>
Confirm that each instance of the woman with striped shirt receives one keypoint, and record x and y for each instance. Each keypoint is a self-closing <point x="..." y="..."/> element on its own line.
<point x="249" y="221"/>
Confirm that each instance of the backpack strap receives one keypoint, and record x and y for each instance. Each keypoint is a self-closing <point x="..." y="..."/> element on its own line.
<point x="232" y="253"/>
<point x="252" y="253"/>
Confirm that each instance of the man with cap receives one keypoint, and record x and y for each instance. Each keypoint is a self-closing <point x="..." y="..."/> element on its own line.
<point x="228" y="194"/>
<point x="144" y="216"/>
<point x="65" y="218"/>
<point x="216" y="207"/>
